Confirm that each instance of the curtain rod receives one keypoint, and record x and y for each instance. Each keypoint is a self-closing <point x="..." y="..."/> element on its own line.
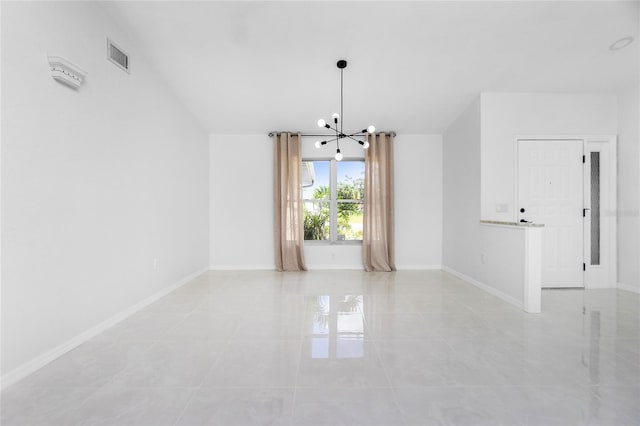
<point x="272" y="134"/>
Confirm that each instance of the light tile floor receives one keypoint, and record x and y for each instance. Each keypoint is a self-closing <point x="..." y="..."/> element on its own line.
<point x="347" y="348"/>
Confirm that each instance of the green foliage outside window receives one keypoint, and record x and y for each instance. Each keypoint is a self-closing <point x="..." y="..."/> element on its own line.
<point x="316" y="223"/>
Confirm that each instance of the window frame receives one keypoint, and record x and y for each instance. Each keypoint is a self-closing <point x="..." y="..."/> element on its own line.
<point x="333" y="202"/>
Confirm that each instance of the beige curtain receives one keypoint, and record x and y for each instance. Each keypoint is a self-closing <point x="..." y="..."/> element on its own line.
<point x="288" y="216"/>
<point x="378" y="234"/>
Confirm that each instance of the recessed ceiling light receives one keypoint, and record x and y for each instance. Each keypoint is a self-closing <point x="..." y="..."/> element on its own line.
<point x="622" y="43"/>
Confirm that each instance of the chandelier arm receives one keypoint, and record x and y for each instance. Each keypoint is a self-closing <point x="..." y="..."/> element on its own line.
<point x="340" y="135"/>
<point x="329" y="141"/>
<point x="352" y="138"/>
<point x="344" y="135"/>
<point x="328" y="126"/>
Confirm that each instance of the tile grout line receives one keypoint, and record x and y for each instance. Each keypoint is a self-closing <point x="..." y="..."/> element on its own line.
<point x="295" y="386"/>
<point x="388" y="378"/>
<point x="195" y="390"/>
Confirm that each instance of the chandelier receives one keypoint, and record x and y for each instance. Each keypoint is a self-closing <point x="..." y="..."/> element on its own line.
<point x="338" y="124"/>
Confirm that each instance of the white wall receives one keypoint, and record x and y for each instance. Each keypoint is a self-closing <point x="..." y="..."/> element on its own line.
<point x="241" y="169"/>
<point x="628" y="194"/>
<point x="499" y="259"/>
<point x="506" y="115"/>
<point x="418" y="201"/>
<point x="511" y="265"/>
<point x="96" y="183"/>
<point x="628" y="213"/>
<point x="241" y="202"/>
<point x="502" y="259"/>
<point x="461" y="193"/>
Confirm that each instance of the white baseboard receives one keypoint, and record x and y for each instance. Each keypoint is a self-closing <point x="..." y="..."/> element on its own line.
<point x="628" y="287"/>
<point x="40" y="361"/>
<point x="418" y="267"/>
<point x="335" y="268"/>
<point x="599" y="286"/>
<point x="509" y="299"/>
<point x="242" y="268"/>
<point x="320" y="267"/>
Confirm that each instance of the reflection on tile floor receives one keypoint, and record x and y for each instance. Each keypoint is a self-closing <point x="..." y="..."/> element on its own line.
<point x="347" y="348"/>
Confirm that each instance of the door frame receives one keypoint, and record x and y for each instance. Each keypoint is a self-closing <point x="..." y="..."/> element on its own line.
<point x="605" y="274"/>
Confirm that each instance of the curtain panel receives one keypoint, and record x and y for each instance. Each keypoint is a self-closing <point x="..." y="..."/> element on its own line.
<point x="288" y="203"/>
<point x="378" y="247"/>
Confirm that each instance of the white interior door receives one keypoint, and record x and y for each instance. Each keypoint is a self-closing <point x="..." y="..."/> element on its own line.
<point x="550" y="191"/>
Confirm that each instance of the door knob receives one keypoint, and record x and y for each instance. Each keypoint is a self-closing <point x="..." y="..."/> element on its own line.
<point x="521" y="210"/>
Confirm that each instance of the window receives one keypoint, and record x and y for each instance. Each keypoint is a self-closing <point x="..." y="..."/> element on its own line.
<point x="333" y="193"/>
<point x="595" y="208"/>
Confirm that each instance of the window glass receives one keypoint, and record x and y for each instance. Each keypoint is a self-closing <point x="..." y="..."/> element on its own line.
<point x="316" y="193"/>
<point x="316" y="179"/>
<point x="333" y="195"/>
<point x="595" y="208"/>
<point x="350" y="180"/>
<point x="350" y="221"/>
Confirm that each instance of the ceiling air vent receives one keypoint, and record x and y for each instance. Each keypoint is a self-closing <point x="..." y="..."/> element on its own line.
<point x="117" y="56"/>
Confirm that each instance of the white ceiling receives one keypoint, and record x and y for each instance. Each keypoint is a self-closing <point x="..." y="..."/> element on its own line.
<point x="251" y="67"/>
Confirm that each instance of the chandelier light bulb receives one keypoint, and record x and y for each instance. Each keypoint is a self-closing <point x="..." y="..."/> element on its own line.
<point x="338" y="155"/>
<point x="371" y="129"/>
<point x="317" y="144"/>
<point x="321" y="123"/>
<point x="335" y="115"/>
<point x="365" y="145"/>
